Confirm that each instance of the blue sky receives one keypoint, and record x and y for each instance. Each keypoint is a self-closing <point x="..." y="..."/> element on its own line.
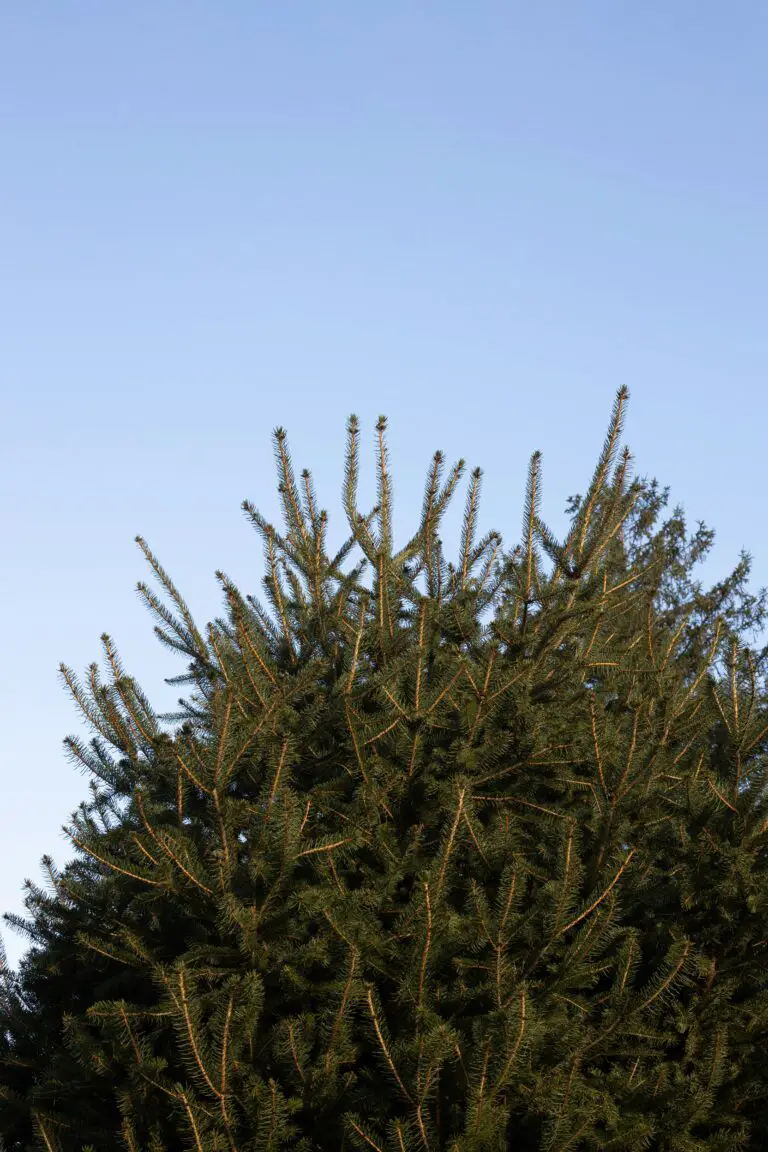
<point x="477" y="218"/>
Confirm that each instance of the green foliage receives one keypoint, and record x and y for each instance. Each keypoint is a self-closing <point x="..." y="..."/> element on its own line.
<point x="401" y="879"/>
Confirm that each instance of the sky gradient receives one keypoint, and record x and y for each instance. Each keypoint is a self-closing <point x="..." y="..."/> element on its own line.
<point x="479" y="219"/>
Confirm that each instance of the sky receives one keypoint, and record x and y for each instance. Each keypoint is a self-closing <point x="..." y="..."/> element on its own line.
<point x="479" y="219"/>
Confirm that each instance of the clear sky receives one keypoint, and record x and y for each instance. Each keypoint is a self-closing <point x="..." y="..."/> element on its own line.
<point x="477" y="218"/>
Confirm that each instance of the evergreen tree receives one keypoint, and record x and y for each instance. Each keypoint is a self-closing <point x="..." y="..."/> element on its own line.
<point x="402" y="879"/>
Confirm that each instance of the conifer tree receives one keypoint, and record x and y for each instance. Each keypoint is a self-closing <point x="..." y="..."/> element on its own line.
<point x="400" y="879"/>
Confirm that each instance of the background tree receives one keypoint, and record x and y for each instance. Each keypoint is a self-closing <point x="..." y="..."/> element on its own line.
<point x="402" y="879"/>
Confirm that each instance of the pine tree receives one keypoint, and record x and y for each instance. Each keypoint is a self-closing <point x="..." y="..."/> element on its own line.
<point x="401" y="879"/>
